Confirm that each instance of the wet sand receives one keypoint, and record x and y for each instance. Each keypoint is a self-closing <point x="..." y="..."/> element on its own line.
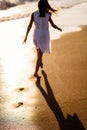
<point x="66" y="68"/>
<point x="57" y="100"/>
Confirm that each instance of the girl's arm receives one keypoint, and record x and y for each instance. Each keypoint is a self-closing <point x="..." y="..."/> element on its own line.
<point x="29" y="27"/>
<point x="53" y="25"/>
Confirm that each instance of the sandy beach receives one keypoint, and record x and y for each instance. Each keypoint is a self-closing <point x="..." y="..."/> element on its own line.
<point x="66" y="69"/>
<point x="59" y="98"/>
<point x="62" y="85"/>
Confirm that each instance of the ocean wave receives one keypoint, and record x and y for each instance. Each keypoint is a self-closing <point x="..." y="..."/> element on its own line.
<point x="66" y="3"/>
<point x="24" y="10"/>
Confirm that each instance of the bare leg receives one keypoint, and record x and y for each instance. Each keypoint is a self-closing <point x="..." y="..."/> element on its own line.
<point x="39" y="62"/>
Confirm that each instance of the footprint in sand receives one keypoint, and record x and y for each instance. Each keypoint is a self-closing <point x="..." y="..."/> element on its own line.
<point x="19" y="104"/>
<point x="21" y="89"/>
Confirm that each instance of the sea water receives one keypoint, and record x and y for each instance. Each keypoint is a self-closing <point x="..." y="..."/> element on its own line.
<point x="71" y="16"/>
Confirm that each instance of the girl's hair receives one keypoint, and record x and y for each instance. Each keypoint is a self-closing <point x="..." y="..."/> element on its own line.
<point x="44" y="6"/>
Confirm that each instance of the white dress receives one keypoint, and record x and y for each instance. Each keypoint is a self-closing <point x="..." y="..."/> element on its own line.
<point x="41" y="32"/>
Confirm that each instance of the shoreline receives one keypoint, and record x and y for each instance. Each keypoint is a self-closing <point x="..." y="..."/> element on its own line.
<point x="67" y="19"/>
<point x="75" y="30"/>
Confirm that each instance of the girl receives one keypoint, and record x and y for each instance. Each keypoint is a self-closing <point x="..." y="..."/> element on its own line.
<point x="41" y="18"/>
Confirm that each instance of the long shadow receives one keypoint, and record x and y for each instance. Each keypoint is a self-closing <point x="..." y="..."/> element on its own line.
<point x="69" y="123"/>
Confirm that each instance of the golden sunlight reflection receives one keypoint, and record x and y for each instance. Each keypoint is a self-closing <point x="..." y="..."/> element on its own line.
<point x="18" y="95"/>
